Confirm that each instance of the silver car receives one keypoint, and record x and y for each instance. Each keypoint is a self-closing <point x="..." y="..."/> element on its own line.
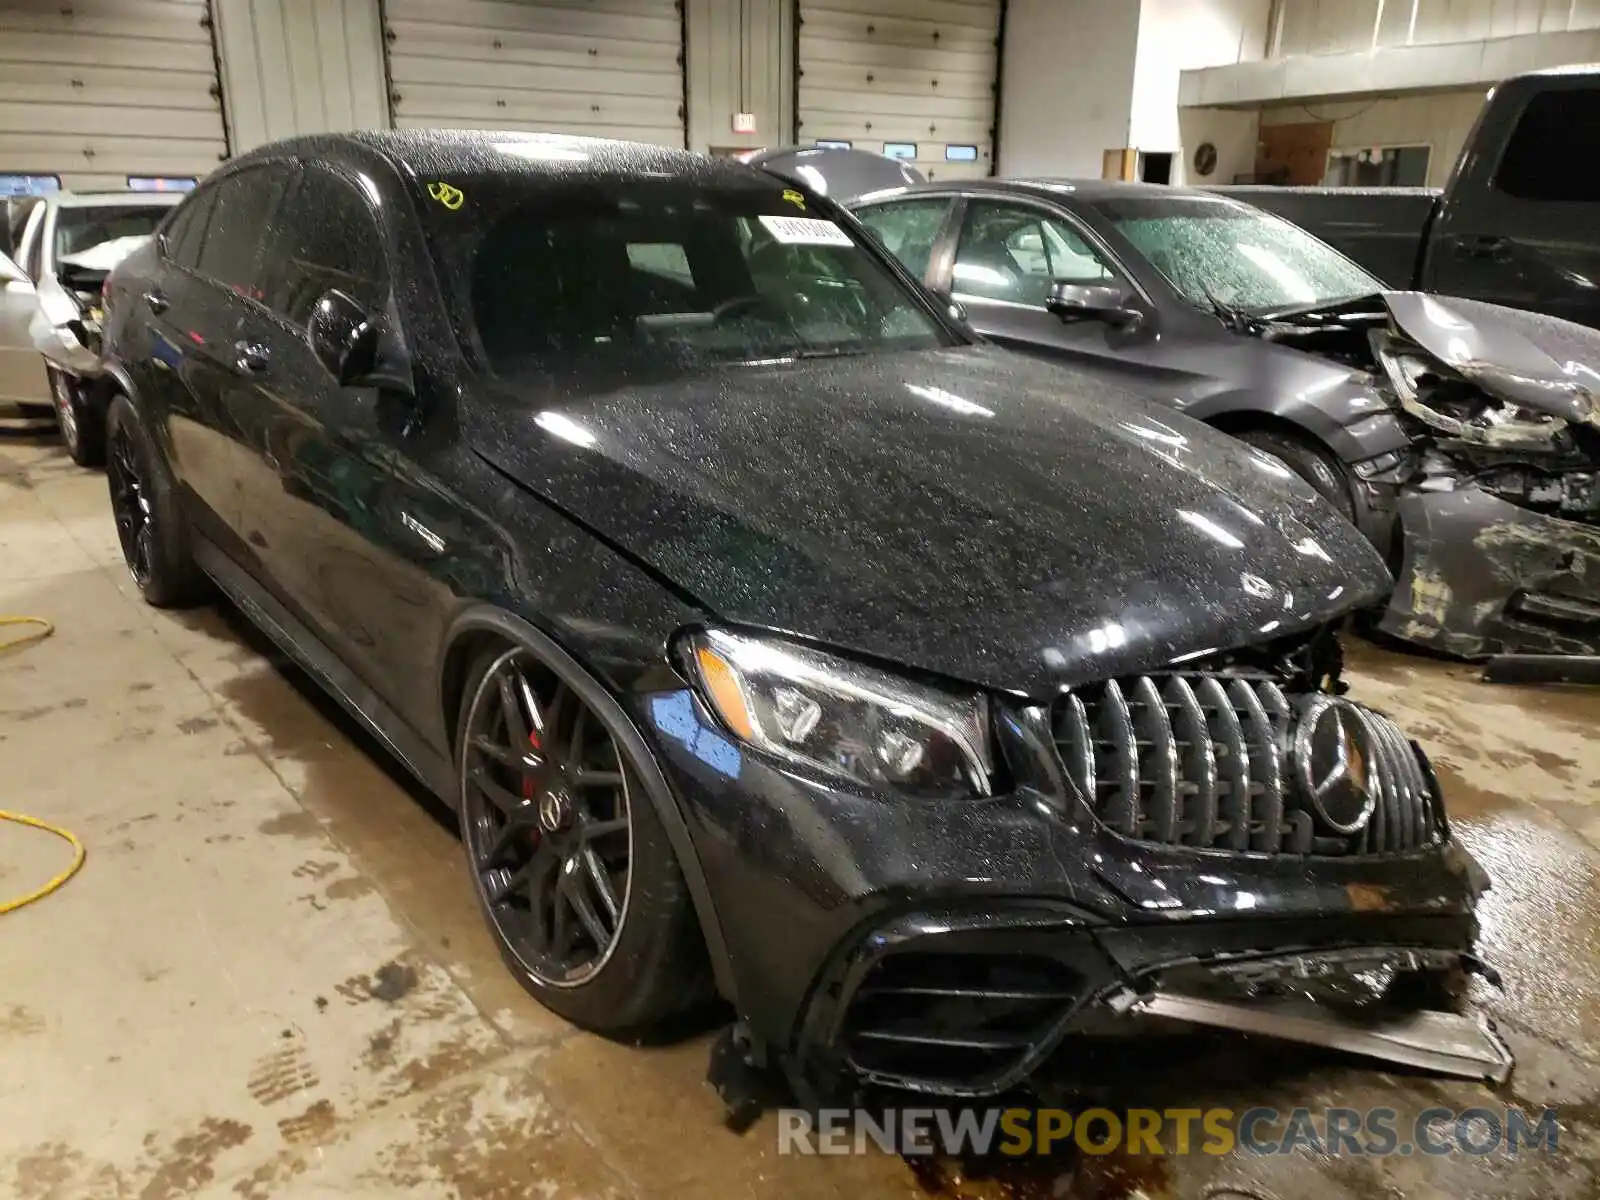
<point x="49" y="303"/>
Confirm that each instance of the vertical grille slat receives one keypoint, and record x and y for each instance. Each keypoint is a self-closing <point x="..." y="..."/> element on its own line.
<point x="1198" y="824"/>
<point x="1234" y="765"/>
<point x="1160" y="760"/>
<point x="1204" y="760"/>
<point x="1121" y="768"/>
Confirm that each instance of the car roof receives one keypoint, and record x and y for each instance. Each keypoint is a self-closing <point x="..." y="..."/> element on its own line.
<point x="440" y="152"/>
<point x="105" y="199"/>
<point x="1088" y="190"/>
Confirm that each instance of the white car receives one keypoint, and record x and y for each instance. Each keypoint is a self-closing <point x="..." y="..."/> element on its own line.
<point x="50" y="304"/>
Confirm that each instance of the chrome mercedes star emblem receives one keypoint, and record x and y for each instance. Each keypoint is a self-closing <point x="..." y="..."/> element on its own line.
<point x="554" y="809"/>
<point x="1333" y="753"/>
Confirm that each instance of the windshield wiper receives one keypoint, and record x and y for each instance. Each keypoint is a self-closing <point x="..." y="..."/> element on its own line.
<point x="1234" y="318"/>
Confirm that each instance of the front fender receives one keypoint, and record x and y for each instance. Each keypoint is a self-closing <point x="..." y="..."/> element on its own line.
<point x="488" y="619"/>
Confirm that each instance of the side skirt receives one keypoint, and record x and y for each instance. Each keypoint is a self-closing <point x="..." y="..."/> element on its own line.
<point x="312" y="655"/>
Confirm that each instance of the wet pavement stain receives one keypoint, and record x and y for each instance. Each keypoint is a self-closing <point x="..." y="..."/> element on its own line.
<point x="190" y="1162"/>
<point x="18" y="1020"/>
<point x="314" y="1125"/>
<point x="392" y="981"/>
<point x="283" y="1073"/>
<point x="349" y="889"/>
<point x="294" y="824"/>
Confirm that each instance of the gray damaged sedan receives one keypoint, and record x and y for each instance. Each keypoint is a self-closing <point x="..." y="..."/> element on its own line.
<point x="1462" y="438"/>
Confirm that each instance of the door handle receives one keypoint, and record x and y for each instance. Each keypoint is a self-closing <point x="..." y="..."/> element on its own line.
<point x="155" y="301"/>
<point x="251" y="357"/>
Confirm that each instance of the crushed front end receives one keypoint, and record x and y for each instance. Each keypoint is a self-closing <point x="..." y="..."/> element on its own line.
<point x="1490" y="518"/>
<point x="1234" y="824"/>
<point x="1500" y="515"/>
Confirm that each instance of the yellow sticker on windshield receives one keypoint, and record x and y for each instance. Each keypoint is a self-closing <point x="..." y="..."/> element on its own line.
<point x="795" y="198"/>
<point x="447" y="194"/>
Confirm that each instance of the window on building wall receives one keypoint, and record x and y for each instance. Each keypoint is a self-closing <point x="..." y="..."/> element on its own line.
<point x="1378" y="166"/>
<point x="1553" y="149"/>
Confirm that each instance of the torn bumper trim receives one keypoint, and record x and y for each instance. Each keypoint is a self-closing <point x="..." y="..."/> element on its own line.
<point x="970" y="1006"/>
<point x="1441" y="1042"/>
<point x="1481" y="576"/>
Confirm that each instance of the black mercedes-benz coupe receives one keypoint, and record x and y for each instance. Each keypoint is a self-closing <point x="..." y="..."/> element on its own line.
<point x="769" y="634"/>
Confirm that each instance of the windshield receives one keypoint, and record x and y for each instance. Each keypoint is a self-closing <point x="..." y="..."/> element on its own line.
<point x="112" y="231"/>
<point x="663" y="276"/>
<point x="1240" y="257"/>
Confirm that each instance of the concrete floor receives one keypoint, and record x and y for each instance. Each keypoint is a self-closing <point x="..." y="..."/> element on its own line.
<point x="270" y="979"/>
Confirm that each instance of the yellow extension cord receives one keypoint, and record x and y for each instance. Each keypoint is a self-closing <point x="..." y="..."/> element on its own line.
<point x="45" y="630"/>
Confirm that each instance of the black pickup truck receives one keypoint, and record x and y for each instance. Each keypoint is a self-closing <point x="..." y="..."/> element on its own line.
<point x="1518" y="223"/>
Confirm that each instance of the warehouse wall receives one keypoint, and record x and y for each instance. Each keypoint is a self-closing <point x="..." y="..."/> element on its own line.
<point x="1180" y="35"/>
<point x="732" y="71"/>
<point x="1339" y="26"/>
<point x="300" y="66"/>
<point x="1441" y="122"/>
<point x="1066" y="94"/>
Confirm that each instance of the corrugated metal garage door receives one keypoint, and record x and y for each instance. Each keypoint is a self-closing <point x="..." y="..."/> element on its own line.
<point x="97" y="90"/>
<point x="604" y="68"/>
<point x="902" y="74"/>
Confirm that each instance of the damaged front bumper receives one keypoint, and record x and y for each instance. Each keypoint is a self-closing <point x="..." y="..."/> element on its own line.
<point x="952" y="948"/>
<point x="1481" y="577"/>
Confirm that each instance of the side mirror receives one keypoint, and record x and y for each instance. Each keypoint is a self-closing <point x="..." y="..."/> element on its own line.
<point x="343" y="337"/>
<point x="1093" y="302"/>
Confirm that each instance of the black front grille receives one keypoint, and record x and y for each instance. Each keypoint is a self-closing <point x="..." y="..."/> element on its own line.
<point x="960" y="1019"/>
<point x="1203" y="760"/>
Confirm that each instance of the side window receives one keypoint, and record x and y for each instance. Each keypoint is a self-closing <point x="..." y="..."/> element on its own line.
<point x="186" y="233"/>
<point x="1557" y="130"/>
<point x="244" y="205"/>
<point x="326" y="237"/>
<point x="1014" y="253"/>
<point x="907" y="230"/>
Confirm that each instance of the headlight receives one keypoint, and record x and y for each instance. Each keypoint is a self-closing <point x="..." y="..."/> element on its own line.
<point x="867" y="725"/>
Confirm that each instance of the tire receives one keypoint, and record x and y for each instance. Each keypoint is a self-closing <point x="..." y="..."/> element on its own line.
<point x="150" y="525"/>
<point x="1309" y="461"/>
<point x="654" y="967"/>
<point x="83" y="432"/>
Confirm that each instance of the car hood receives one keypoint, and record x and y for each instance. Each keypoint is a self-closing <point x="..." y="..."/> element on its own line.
<point x="1541" y="363"/>
<point x="966" y="512"/>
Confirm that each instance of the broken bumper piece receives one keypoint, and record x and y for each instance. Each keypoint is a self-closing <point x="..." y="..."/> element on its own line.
<point x="1483" y="577"/>
<point x="1444" y="1043"/>
<point x="971" y="1007"/>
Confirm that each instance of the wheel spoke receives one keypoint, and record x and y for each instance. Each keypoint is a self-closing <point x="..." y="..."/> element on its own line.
<point x="561" y="929"/>
<point x="575" y="741"/>
<point x="504" y="837"/>
<point x="535" y="713"/>
<point x="598" y="829"/>
<point x="508" y="756"/>
<point x="602" y="884"/>
<point x="507" y="802"/>
<point x="583" y="907"/>
<point x="516" y="722"/>
<point x="586" y="778"/>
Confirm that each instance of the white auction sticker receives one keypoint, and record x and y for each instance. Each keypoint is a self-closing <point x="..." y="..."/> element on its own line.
<point x="806" y="231"/>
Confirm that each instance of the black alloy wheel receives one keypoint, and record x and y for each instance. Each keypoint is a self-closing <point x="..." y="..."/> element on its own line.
<point x="131" y="505"/>
<point x="547" y="819"/>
